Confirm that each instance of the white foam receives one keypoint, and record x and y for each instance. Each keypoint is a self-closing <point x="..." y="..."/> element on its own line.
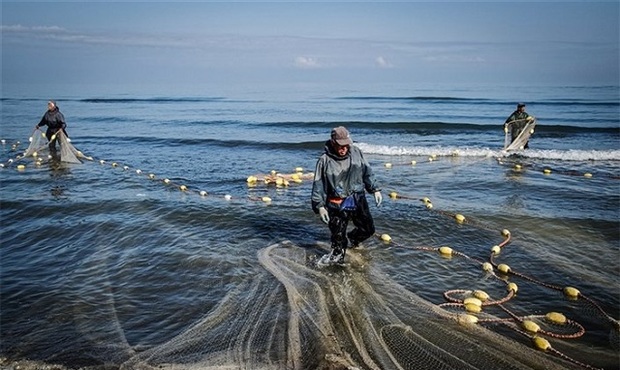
<point x="451" y="151"/>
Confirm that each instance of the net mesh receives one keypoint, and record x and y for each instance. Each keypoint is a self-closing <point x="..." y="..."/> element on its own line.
<point x="524" y="136"/>
<point x="297" y="316"/>
<point x="39" y="147"/>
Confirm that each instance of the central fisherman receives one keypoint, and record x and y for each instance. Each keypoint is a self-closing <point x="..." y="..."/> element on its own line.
<point x="341" y="180"/>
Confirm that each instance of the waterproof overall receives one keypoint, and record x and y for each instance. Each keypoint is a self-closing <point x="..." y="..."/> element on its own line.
<point x="55" y="121"/>
<point x="353" y="208"/>
<point x="340" y="185"/>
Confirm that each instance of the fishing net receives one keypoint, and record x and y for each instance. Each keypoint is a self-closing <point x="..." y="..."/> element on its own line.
<point x="524" y="136"/>
<point x="39" y="148"/>
<point x="294" y="315"/>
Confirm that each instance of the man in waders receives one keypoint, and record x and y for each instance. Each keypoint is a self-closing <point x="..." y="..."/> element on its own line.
<point x="55" y="121"/>
<point x="517" y="122"/>
<point x="341" y="179"/>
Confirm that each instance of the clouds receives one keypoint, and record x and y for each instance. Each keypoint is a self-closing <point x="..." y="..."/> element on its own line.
<point x="454" y="59"/>
<point x="306" y="62"/>
<point x="383" y="62"/>
<point x="41" y="30"/>
<point x="59" y="35"/>
<point x="306" y="53"/>
<point x="407" y="41"/>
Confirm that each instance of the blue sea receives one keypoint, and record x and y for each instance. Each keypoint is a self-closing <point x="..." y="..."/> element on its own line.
<point x="108" y="260"/>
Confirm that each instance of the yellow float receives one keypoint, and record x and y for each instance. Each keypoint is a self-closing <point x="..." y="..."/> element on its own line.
<point x="465" y="319"/>
<point x="530" y="326"/>
<point x="571" y="292"/>
<point x="481" y="295"/>
<point x="503" y="268"/>
<point x="446" y="251"/>
<point x="470" y="307"/>
<point x="556" y="318"/>
<point x="512" y="287"/>
<point x="472" y="300"/>
<point x="386" y="238"/>
<point x="541" y="343"/>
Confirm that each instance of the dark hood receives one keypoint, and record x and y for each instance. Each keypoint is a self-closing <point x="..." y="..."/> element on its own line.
<point x="330" y="151"/>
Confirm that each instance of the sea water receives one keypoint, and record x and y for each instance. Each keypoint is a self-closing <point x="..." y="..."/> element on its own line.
<point x="78" y="239"/>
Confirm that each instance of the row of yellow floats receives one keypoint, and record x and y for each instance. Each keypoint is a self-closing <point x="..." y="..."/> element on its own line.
<point x="38" y="162"/>
<point x="548" y="171"/>
<point x="274" y="177"/>
<point x="476" y="300"/>
<point x="282" y="181"/>
<point x="152" y="176"/>
<point x="455" y="153"/>
<point x="279" y="180"/>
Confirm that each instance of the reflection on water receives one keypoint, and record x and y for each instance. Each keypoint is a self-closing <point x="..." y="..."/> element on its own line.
<point x="57" y="191"/>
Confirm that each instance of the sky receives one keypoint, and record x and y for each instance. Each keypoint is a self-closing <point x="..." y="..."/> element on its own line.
<point x="496" y="42"/>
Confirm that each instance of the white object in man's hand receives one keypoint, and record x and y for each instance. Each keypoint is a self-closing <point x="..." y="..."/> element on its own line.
<point x="324" y="215"/>
<point x="378" y="198"/>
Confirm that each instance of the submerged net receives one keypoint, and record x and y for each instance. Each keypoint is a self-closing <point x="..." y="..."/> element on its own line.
<point x="39" y="148"/>
<point x="294" y="315"/>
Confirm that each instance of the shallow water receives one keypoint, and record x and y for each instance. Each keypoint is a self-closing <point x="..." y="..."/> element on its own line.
<point x="94" y="253"/>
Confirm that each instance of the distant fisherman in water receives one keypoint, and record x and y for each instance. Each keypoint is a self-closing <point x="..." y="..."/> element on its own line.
<point x="55" y="121"/>
<point x="517" y="122"/>
<point x="341" y="177"/>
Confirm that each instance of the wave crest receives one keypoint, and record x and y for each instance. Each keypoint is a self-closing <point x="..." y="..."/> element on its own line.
<point x="452" y="151"/>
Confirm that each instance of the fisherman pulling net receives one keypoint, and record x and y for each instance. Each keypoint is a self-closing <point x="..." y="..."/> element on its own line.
<point x="44" y="144"/>
<point x="518" y="128"/>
